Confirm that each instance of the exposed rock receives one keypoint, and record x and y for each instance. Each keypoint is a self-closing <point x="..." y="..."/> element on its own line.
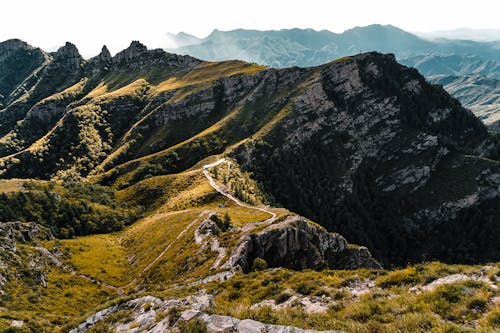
<point x="454" y="278"/>
<point x="33" y="267"/>
<point x="105" y="55"/>
<point x="298" y="244"/>
<point x="68" y="57"/>
<point x="135" y="50"/>
<point x="142" y="312"/>
<point x="359" y="287"/>
<point x="18" y="61"/>
<point x="315" y="304"/>
<point x="9" y="47"/>
<point x="23" y="232"/>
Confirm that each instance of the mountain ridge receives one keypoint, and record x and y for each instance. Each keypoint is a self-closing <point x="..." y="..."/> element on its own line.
<point x="127" y="126"/>
<point x="308" y="47"/>
<point x="193" y="172"/>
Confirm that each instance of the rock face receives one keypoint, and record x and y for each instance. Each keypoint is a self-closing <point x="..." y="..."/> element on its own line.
<point x="68" y="57"/>
<point x="374" y="144"/>
<point x="15" y="265"/>
<point x="135" y="50"/>
<point x="298" y="244"/>
<point x="19" y="232"/>
<point x="104" y="57"/>
<point x="10" y="47"/>
<point x="17" y="61"/>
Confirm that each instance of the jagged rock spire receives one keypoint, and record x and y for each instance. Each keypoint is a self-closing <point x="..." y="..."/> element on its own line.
<point x="135" y="50"/>
<point x="68" y="56"/>
<point x="105" y="55"/>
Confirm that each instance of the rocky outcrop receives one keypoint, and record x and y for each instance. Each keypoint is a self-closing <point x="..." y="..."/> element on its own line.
<point x="22" y="232"/>
<point x="105" y="55"/>
<point x="18" y="61"/>
<point x="141" y="316"/>
<point x="10" y="47"/>
<point x="299" y="244"/>
<point x="68" y="58"/>
<point x="15" y="265"/>
<point x="134" y="51"/>
<point x="138" y="57"/>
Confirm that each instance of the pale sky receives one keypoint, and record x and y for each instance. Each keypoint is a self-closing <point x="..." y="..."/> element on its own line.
<point x="91" y="23"/>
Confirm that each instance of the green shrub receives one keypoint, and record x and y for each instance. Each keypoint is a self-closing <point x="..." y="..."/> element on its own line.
<point x="282" y="298"/>
<point x="477" y="304"/>
<point x="397" y="278"/>
<point x="493" y="319"/>
<point x="259" y="264"/>
<point x="173" y="315"/>
<point x="72" y="209"/>
<point x="307" y="287"/>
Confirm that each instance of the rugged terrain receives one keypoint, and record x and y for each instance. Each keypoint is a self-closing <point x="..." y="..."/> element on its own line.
<point x="479" y="93"/>
<point x="175" y="193"/>
<point x="459" y="58"/>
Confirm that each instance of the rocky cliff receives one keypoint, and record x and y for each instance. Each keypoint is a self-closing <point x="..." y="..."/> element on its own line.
<point x="18" y="60"/>
<point x="298" y="244"/>
<point x="374" y="151"/>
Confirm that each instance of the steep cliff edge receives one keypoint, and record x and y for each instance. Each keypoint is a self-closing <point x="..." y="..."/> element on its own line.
<point x="371" y="150"/>
<point x="297" y="244"/>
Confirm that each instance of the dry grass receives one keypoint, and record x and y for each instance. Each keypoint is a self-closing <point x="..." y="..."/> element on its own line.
<point x="99" y="256"/>
<point x="209" y="71"/>
<point x="12" y="185"/>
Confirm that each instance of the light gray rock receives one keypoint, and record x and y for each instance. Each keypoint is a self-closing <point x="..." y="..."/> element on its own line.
<point x="140" y="320"/>
<point x="251" y="326"/>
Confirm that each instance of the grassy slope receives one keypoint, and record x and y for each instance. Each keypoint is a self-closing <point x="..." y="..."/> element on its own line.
<point x="389" y="306"/>
<point x="117" y="258"/>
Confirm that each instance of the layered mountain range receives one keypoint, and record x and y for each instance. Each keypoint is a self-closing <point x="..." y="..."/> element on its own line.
<point x="209" y="171"/>
<point x="307" y="47"/>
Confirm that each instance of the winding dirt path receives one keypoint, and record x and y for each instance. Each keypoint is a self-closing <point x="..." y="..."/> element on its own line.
<point x="230" y="196"/>
<point x="198" y="219"/>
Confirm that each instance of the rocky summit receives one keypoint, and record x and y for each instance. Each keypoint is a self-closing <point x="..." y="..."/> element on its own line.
<point x="153" y="192"/>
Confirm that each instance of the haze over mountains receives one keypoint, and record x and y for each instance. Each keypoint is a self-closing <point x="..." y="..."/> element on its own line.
<point x="297" y="47"/>
<point x="480" y="35"/>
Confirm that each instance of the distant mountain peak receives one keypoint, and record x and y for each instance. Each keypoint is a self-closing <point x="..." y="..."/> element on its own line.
<point x="68" y="48"/>
<point x="181" y="39"/>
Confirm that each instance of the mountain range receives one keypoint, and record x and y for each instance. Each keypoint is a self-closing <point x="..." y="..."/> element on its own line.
<point x="155" y="192"/>
<point x="307" y="47"/>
